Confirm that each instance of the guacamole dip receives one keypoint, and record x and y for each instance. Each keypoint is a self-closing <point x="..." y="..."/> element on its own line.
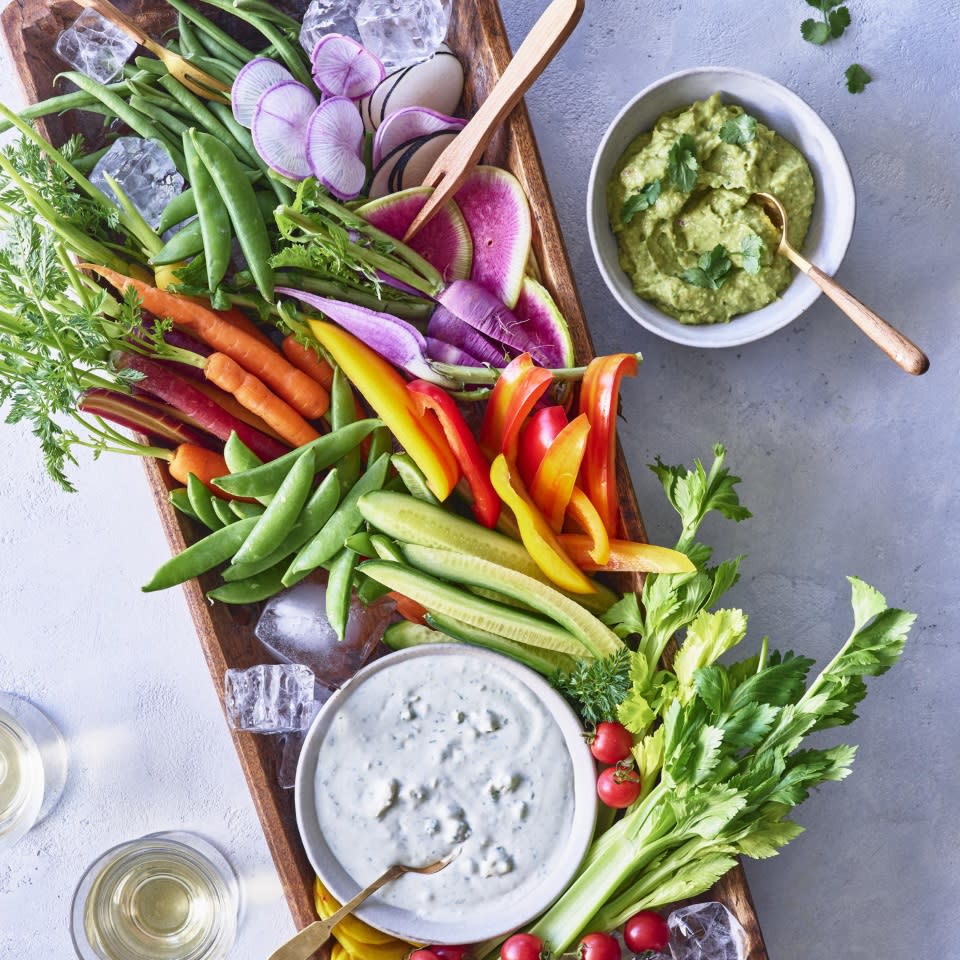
<point x="689" y="240"/>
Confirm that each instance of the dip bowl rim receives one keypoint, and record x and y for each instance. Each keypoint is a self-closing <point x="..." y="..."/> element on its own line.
<point x="839" y="213"/>
<point x="408" y="924"/>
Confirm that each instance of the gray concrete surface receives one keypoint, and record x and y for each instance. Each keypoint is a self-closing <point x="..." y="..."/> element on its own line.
<point x="849" y="467"/>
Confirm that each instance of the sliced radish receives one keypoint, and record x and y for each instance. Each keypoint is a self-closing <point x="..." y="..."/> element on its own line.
<point x="449" y="328"/>
<point x="448" y="353"/>
<point x="410" y="124"/>
<point x="344" y="68"/>
<point x="280" y="128"/>
<point x="408" y="164"/>
<point x="334" y="144"/>
<point x="252" y="81"/>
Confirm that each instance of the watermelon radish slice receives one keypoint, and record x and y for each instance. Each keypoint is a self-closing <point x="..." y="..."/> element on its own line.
<point x="444" y="242"/>
<point x="409" y="124"/>
<point x="344" y="68"/>
<point x="334" y="141"/>
<point x="498" y="215"/>
<point x="256" y="78"/>
<point x="544" y="325"/>
<point x="279" y="128"/>
<point x="408" y="164"/>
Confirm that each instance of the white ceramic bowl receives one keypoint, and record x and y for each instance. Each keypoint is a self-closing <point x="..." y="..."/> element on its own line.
<point x="784" y="112"/>
<point x="474" y="925"/>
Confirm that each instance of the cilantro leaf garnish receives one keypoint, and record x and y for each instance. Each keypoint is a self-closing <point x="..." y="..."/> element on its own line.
<point x="741" y="129"/>
<point x="835" y="20"/>
<point x="682" y="164"/>
<point x="640" y="201"/>
<point x="711" y="270"/>
<point x="751" y="250"/>
<point x="857" y="78"/>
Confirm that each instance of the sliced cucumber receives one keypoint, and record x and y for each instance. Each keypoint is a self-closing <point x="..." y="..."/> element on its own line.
<point x="598" y="638"/>
<point x="404" y="634"/>
<point x="442" y="598"/>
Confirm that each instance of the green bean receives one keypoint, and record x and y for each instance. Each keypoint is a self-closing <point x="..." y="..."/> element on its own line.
<point x="186" y="242"/>
<point x="152" y="66"/>
<point x="184" y="205"/>
<point x="339" y="587"/>
<point x="223" y="72"/>
<point x="61" y="103"/>
<point x="202" y="502"/>
<point x="219" y="52"/>
<point x="316" y="512"/>
<point x="386" y="549"/>
<point x="180" y="499"/>
<point x="381" y="441"/>
<point x="345" y="521"/>
<point x="238" y="455"/>
<point x="244" y="510"/>
<point x="210" y="29"/>
<point x="343" y="412"/>
<point x="241" y="202"/>
<point x="222" y="509"/>
<point x="189" y="44"/>
<point x="252" y="590"/>
<point x="149" y="109"/>
<point x="268" y="12"/>
<point x="88" y="161"/>
<point x="412" y="476"/>
<point x="361" y="543"/>
<point x="212" y="214"/>
<point x="201" y="556"/>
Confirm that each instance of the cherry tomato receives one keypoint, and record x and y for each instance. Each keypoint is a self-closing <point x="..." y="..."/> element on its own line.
<point x="598" y="946"/>
<point x="618" y="786"/>
<point x="423" y="955"/>
<point x="611" y="743"/>
<point x="646" y="930"/>
<point x="522" y="946"/>
<point x="450" y="953"/>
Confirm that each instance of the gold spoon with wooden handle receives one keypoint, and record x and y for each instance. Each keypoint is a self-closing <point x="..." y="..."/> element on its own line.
<point x="305" y="943"/>
<point x="545" y="38"/>
<point x="906" y="355"/>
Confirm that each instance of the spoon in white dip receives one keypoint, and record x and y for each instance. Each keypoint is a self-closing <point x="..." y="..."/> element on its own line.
<point x="311" y="938"/>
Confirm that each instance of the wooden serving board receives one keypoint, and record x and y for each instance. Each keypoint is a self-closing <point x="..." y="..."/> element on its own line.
<point x="478" y="35"/>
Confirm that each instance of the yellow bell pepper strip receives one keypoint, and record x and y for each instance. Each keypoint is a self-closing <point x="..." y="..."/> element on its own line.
<point x="552" y="485"/>
<point x="599" y="394"/>
<point x="626" y="556"/>
<point x="386" y="391"/>
<point x="516" y="392"/>
<point x="585" y="515"/>
<point x="355" y="935"/>
<point x="431" y="400"/>
<point x="541" y="542"/>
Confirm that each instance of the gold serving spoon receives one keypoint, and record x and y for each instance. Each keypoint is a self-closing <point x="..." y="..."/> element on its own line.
<point x="194" y="79"/>
<point x="305" y="943"/>
<point x="906" y="355"/>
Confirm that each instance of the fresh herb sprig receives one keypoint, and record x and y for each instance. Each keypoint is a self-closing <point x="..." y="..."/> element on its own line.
<point x="642" y="200"/>
<point x="682" y="164"/>
<point x="857" y="78"/>
<point x="712" y="270"/>
<point x="834" y="20"/>
<point x="740" y="130"/>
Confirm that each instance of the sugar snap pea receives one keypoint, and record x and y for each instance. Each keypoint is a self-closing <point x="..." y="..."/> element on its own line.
<point x="343" y="411"/>
<point x="412" y="476"/>
<point x="186" y="242"/>
<point x="181" y="502"/>
<point x="361" y="543"/>
<point x="345" y="521"/>
<point x="386" y="549"/>
<point x="202" y="502"/>
<point x="252" y="590"/>
<point x="278" y="519"/>
<point x="369" y="589"/>
<point x="339" y="588"/>
<point x="241" y="202"/>
<point x="222" y="509"/>
<point x="326" y="450"/>
<point x="184" y="205"/>
<point x="201" y="556"/>
<point x="316" y="512"/>
<point x="238" y="455"/>
<point x="242" y="135"/>
<point x="381" y="441"/>
<point x="212" y="214"/>
<point x="244" y="510"/>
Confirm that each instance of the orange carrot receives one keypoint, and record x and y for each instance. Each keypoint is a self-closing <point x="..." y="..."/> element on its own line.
<point x="232" y="405"/>
<point x="307" y="360"/>
<point x="304" y="394"/>
<point x="238" y="319"/>
<point x="205" y="464"/>
<point x="227" y="374"/>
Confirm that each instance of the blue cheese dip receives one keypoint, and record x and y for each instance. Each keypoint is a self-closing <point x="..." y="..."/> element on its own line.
<point x="439" y="752"/>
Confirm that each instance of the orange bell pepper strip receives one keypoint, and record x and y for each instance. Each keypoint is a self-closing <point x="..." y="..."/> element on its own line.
<point x="585" y="515"/>
<point x="386" y="392"/>
<point x="599" y="394"/>
<point x="516" y="392"/>
<point x="626" y="556"/>
<point x="541" y="542"/>
<point x="431" y="400"/>
<point x="552" y="485"/>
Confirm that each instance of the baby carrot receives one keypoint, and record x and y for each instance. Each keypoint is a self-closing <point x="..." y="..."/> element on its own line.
<point x="204" y="464"/>
<point x="307" y="360"/>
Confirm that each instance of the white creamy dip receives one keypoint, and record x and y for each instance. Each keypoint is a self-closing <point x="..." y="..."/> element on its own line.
<point x="438" y="752"/>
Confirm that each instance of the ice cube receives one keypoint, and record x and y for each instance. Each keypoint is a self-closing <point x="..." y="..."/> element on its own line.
<point x="143" y="171"/>
<point x="293" y="628"/>
<point x="328" y="16"/>
<point x="94" y="46"/>
<point x="402" y="32"/>
<point x="270" y="698"/>
<point x="292" y="743"/>
<point x="706" y="931"/>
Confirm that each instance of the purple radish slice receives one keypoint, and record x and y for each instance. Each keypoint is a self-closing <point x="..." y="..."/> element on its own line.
<point x="496" y="210"/>
<point x="444" y="242"/>
<point x="544" y="325"/>
<point x="398" y="284"/>
<point x="280" y="128"/>
<point x="410" y="124"/>
<point x="334" y="142"/>
<point x="477" y="306"/>
<point x="451" y="329"/>
<point x="407" y="165"/>
<point x="344" y="68"/>
<point x="251" y="83"/>
<point x="447" y="353"/>
<point x="394" y="339"/>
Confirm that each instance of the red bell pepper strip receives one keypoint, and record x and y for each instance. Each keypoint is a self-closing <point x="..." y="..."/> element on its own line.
<point x="541" y="542"/>
<point x="584" y="514"/>
<point x="429" y="399"/>
<point x="553" y="483"/>
<point x="536" y="435"/>
<point x="407" y="608"/>
<point x="599" y="394"/>
<point x="626" y="555"/>
<point x="521" y="384"/>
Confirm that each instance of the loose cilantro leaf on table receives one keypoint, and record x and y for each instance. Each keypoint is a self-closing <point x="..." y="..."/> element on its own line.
<point x="711" y="270"/>
<point x="751" y="250"/>
<point x="857" y="78"/>
<point x="741" y="129"/>
<point x="682" y="164"/>
<point x="640" y="201"/>
<point x="835" y="20"/>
